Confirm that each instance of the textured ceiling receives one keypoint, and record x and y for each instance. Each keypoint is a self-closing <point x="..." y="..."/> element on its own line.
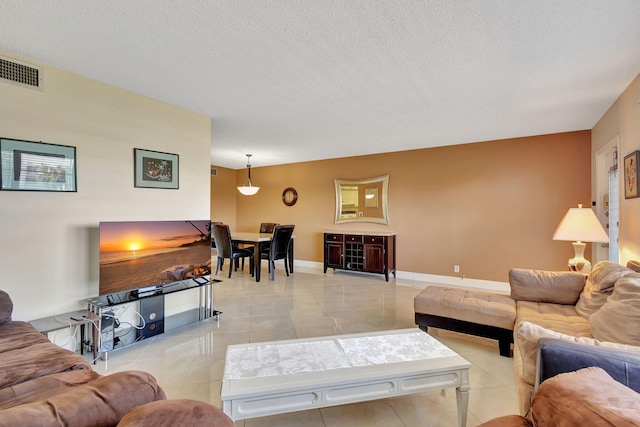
<point x="302" y="80"/>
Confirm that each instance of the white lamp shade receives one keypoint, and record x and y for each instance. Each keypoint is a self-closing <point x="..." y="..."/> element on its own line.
<point x="248" y="190"/>
<point x="581" y="224"/>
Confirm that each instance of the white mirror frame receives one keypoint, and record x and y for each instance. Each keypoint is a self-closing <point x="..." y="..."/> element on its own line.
<point x="359" y="215"/>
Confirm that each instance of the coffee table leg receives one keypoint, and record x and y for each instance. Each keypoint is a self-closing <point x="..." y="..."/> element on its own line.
<point x="462" y="398"/>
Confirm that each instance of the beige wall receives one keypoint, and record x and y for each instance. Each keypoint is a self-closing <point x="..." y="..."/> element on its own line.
<point x="50" y="240"/>
<point x="623" y="120"/>
<point x="486" y="206"/>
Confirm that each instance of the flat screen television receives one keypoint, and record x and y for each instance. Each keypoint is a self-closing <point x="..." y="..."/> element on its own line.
<point x="146" y="254"/>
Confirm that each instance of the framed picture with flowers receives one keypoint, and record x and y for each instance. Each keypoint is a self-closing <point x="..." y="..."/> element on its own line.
<point x="631" y="173"/>
<point x="154" y="169"/>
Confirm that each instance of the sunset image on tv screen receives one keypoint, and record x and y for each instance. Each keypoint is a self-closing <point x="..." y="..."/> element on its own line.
<point x="139" y="254"/>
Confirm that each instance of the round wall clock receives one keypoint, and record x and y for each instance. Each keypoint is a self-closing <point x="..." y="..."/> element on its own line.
<point x="289" y="196"/>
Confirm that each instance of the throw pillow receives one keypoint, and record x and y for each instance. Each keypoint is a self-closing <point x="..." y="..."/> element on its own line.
<point x="618" y="320"/>
<point x="586" y="397"/>
<point x="599" y="286"/>
<point x="6" y="307"/>
<point x="558" y="287"/>
<point x="527" y="336"/>
<point x="634" y="265"/>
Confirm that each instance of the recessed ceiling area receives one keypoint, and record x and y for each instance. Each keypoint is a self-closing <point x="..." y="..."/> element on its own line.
<point x="291" y="81"/>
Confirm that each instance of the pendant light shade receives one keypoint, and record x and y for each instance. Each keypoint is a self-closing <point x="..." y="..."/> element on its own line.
<point x="248" y="189"/>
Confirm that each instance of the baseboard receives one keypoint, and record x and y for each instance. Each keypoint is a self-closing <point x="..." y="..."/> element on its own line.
<point x="487" y="285"/>
<point x="308" y="266"/>
<point x="420" y="278"/>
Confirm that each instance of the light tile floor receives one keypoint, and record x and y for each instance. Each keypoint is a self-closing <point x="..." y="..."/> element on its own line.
<point x="188" y="362"/>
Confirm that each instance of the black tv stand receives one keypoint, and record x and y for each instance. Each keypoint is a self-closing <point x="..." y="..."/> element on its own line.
<point x="101" y="306"/>
<point x="147" y="292"/>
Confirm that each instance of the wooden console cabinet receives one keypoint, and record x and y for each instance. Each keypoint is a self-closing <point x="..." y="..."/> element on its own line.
<point x="371" y="253"/>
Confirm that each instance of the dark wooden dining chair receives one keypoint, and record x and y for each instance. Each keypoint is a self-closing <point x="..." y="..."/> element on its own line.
<point x="213" y="242"/>
<point x="225" y="249"/>
<point x="279" y="248"/>
<point x="267" y="227"/>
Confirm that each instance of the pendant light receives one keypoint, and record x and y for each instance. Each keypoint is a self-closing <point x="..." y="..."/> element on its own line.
<point x="248" y="189"/>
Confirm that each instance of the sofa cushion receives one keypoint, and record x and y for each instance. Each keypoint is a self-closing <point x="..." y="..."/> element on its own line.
<point x="526" y="339"/>
<point x="177" y="412"/>
<point x="6" y="307"/>
<point x="44" y="387"/>
<point x="599" y="286"/>
<point x="102" y="402"/>
<point x="588" y="396"/>
<point x="483" y="308"/>
<point x="561" y="287"/>
<point x="38" y="360"/>
<point x="557" y="317"/>
<point x="15" y="335"/>
<point x="634" y="265"/>
<point x="508" y="421"/>
<point x="614" y="320"/>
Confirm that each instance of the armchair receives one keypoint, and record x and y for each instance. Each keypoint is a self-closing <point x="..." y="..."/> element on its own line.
<point x="558" y="356"/>
<point x="579" y="385"/>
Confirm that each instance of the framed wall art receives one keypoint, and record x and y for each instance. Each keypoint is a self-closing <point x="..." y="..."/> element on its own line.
<point x="37" y="166"/>
<point x="631" y="173"/>
<point x="153" y="169"/>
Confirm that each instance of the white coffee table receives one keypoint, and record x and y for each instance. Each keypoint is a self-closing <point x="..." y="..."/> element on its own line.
<point x="275" y="377"/>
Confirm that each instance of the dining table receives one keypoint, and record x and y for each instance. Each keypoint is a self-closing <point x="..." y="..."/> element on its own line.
<point x="260" y="241"/>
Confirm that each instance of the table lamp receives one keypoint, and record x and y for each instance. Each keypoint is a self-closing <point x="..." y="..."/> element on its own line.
<point x="580" y="225"/>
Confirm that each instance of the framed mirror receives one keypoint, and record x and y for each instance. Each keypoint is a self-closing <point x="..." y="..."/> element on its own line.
<point x="363" y="200"/>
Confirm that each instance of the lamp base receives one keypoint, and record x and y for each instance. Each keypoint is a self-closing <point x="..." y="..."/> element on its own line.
<point x="579" y="263"/>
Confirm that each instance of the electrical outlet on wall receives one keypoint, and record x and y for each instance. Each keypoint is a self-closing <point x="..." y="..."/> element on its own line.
<point x="456" y="268"/>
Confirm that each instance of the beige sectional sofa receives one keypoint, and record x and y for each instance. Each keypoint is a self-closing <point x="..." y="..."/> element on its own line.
<point x="601" y="309"/>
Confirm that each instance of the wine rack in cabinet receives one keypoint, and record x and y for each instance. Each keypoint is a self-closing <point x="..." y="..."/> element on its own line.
<point x="370" y="253"/>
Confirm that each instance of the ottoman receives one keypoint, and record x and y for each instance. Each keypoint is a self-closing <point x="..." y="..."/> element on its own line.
<point x="480" y="313"/>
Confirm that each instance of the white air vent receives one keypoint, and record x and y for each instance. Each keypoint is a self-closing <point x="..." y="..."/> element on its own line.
<point x="20" y="73"/>
<point x="214" y="172"/>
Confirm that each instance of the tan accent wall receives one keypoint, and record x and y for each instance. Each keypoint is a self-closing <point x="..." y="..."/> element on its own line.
<point x="623" y="120"/>
<point x="486" y="206"/>
<point x="223" y="196"/>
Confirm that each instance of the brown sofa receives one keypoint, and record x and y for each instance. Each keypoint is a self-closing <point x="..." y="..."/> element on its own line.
<point x="176" y="412"/>
<point x="587" y="397"/>
<point x="42" y="384"/>
<point x="581" y="385"/>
